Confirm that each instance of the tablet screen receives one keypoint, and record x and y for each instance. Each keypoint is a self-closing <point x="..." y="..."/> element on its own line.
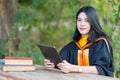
<point x="50" y="53"/>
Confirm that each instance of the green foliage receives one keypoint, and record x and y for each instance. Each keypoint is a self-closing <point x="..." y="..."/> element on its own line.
<point x="24" y="17"/>
<point x="53" y="22"/>
<point x="116" y="48"/>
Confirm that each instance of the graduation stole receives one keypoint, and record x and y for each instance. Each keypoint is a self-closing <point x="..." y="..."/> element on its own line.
<point x="83" y="54"/>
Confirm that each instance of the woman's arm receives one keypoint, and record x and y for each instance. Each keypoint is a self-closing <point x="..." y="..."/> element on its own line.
<point x="88" y="69"/>
<point x="67" y="67"/>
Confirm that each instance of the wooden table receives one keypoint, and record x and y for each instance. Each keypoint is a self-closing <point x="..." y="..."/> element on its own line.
<point x="42" y="74"/>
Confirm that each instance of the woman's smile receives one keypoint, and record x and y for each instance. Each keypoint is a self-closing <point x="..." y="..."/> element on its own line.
<point x="82" y="29"/>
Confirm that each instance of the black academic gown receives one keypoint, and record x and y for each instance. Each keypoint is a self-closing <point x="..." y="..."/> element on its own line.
<point x="99" y="56"/>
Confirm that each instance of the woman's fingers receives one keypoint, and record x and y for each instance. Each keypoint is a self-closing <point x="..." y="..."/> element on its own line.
<point x="48" y="65"/>
<point x="65" y="66"/>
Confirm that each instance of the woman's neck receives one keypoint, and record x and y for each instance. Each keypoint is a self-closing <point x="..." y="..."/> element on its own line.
<point x="85" y="35"/>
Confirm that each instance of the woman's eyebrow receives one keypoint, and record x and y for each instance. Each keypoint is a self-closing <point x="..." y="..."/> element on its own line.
<point x="86" y="18"/>
<point x="81" y="18"/>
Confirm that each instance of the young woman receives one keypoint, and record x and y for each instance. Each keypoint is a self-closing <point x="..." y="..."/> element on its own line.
<point x="90" y="50"/>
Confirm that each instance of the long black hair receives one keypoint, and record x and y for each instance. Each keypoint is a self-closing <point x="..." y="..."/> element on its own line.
<point x="96" y="30"/>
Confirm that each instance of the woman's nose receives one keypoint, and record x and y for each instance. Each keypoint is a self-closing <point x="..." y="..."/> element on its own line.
<point x="82" y="22"/>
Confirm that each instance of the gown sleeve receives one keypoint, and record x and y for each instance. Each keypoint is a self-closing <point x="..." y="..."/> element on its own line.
<point x="69" y="53"/>
<point x="64" y="52"/>
<point x="102" y="59"/>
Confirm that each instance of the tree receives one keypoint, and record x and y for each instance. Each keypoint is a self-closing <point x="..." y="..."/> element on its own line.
<point x="7" y="13"/>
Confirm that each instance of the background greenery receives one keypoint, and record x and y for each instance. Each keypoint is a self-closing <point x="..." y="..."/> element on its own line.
<point x="53" y="22"/>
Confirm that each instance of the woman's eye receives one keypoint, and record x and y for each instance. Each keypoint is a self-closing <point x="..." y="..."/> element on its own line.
<point x="87" y="20"/>
<point x="79" y="20"/>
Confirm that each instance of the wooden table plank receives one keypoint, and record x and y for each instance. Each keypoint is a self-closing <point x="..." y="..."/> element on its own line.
<point x="42" y="74"/>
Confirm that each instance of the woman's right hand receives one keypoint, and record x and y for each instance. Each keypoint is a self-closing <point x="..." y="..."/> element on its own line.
<point x="48" y="65"/>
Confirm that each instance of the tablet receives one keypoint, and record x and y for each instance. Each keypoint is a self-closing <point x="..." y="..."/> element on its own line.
<point x="50" y="53"/>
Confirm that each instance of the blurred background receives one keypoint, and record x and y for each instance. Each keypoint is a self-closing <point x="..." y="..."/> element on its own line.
<point x="26" y="23"/>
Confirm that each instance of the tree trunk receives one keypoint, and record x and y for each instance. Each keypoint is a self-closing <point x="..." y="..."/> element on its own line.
<point x="7" y="13"/>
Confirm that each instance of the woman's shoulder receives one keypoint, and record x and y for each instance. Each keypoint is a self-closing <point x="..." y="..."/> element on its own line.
<point x="100" y="42"/>
<point x="101" y="39"/>
<point x="104" y="42"/>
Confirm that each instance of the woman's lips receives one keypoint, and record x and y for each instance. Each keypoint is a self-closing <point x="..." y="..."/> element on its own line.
<point x="82" y="28"/>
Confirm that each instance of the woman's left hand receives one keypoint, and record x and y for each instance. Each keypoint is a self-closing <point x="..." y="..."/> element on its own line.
<point x="66" y="67"/>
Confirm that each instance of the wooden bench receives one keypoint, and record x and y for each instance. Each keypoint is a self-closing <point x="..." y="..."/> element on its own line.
<point x="42" y="74"/>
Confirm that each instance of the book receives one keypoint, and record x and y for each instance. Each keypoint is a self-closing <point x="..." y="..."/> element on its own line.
<point x="10" y="60"/>
<point x="18" y="68"/>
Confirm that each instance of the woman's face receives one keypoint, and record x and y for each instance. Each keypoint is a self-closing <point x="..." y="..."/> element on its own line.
<point x="83" y="24"/>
